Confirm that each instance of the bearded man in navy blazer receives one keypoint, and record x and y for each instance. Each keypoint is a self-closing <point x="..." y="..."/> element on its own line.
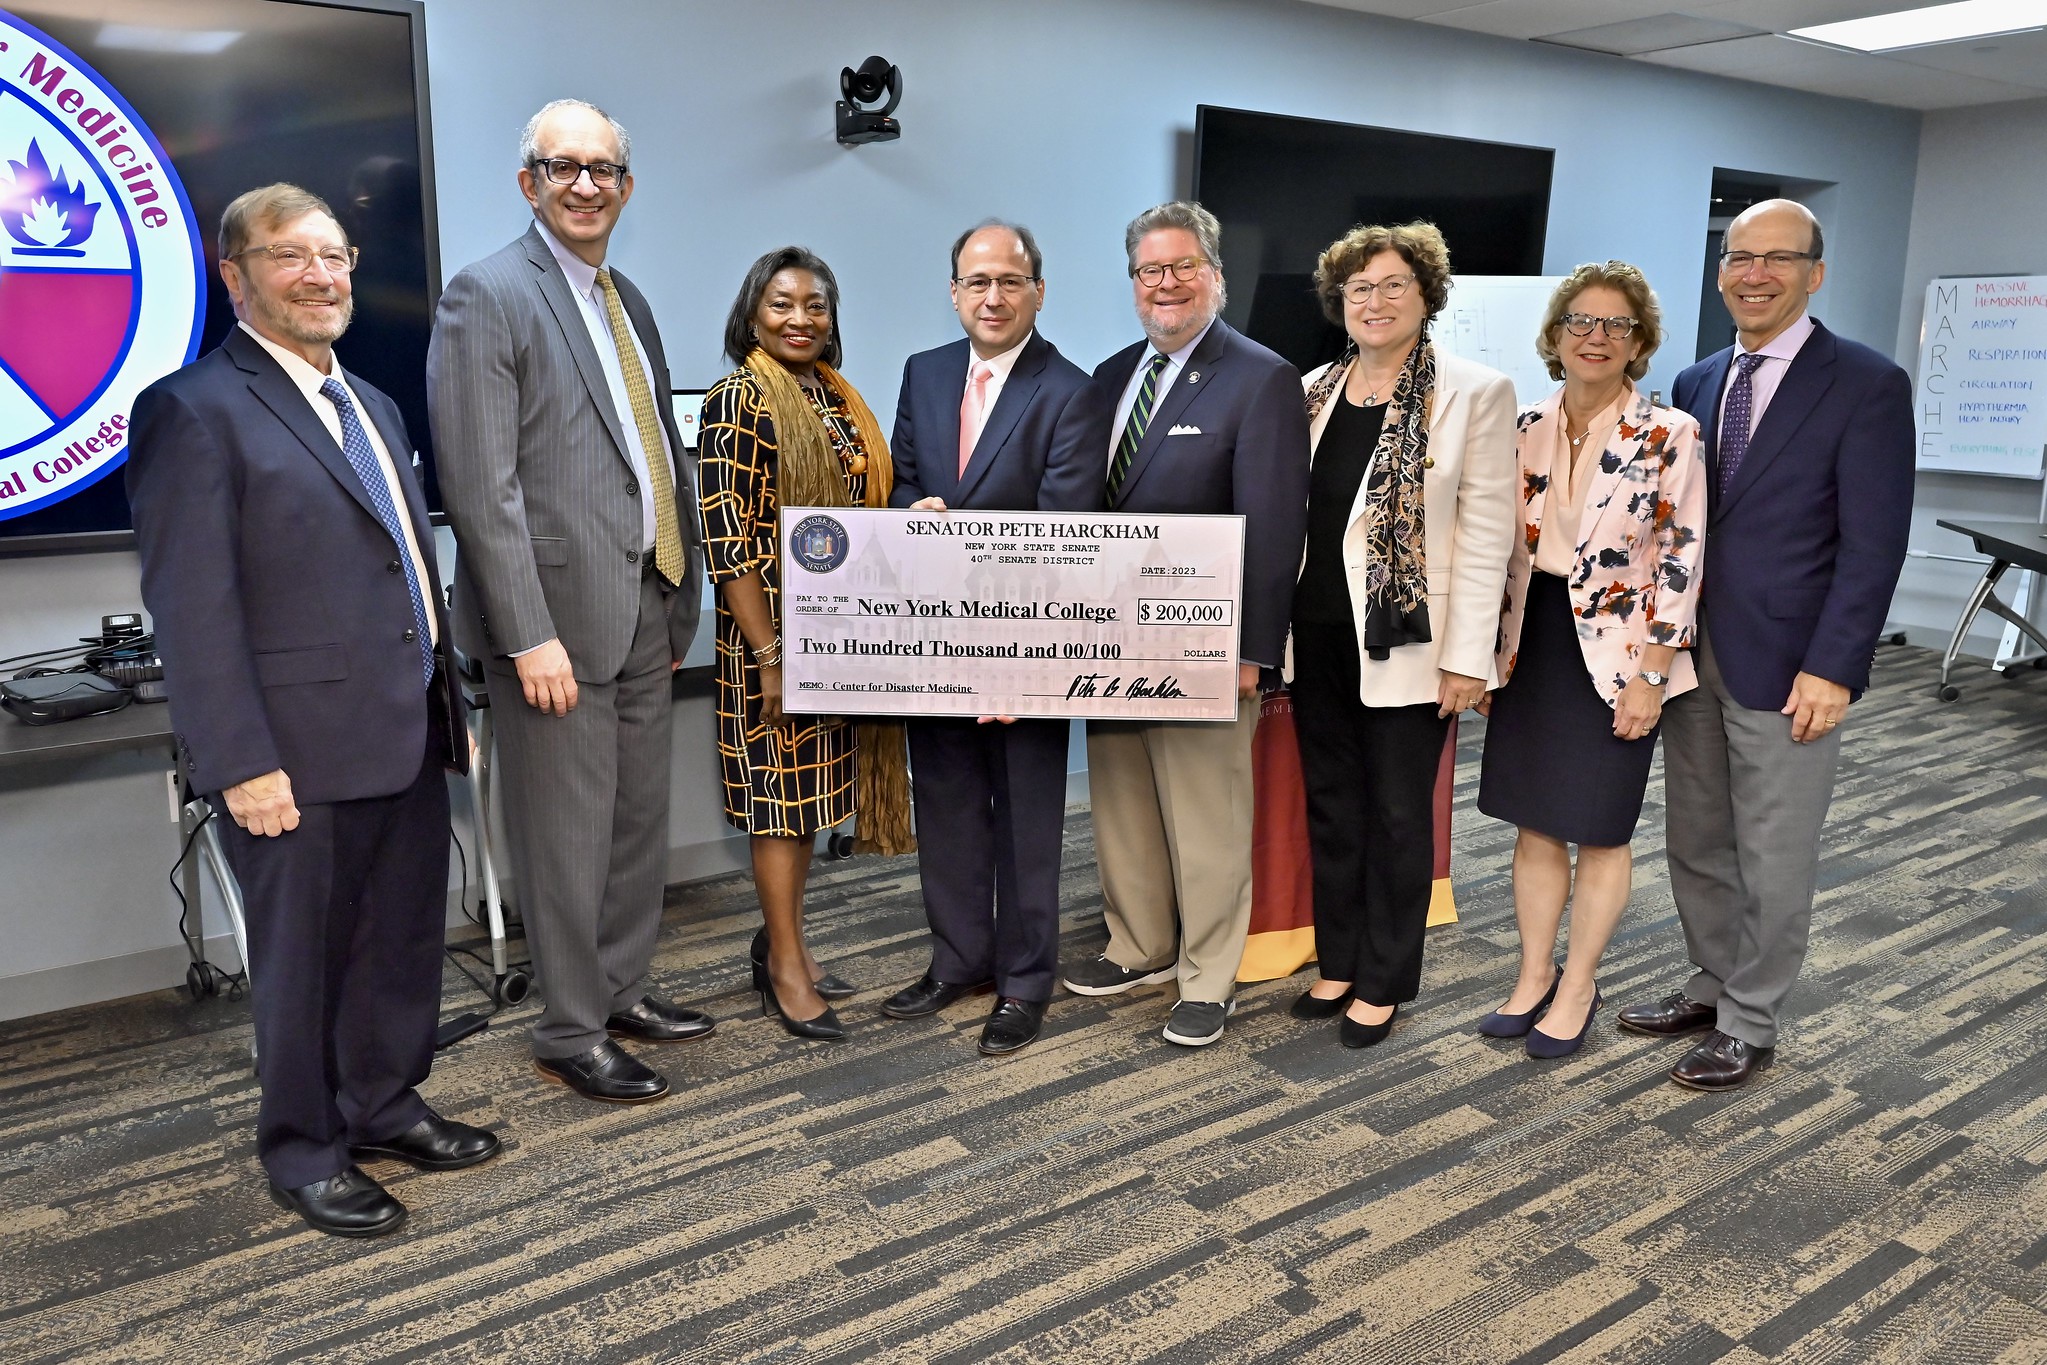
<point x="289" y="568"/>
<point x="997" y="421"/>
<point x="1809" y="440"/>
<point x="1208" y="421"/>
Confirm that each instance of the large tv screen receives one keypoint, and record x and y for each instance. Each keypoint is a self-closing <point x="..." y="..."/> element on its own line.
<point x="1285" y="188"/>
<point x="126" y="126"/>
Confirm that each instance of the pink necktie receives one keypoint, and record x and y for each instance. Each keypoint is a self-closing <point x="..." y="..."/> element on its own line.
<point x="972" y="405"/>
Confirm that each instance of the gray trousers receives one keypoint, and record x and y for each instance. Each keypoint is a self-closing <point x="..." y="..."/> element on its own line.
<point x="1743" y="809"/>
<point x="586" y="811"/>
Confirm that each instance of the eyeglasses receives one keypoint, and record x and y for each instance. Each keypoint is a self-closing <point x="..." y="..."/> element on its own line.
<point x="1581" y="325"/>
<point x="1152" y="276"/>
<point x="1777" y="262"/>
<point x="605" y="175"/>
<point x="1390" y="288"/>
<point x="1010" y="285"/>
<point x="292" y="258"/>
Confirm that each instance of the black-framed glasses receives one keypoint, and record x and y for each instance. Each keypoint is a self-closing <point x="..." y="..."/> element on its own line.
<point x="1581" y="325"/>
<point x="294" y="257"/>
<point x="1776" y="262"/>
<point x="1010" y="285"/>
<point x="605" y="175"/>
<point x="1389" y="289"/>
<point x="1152" y="276"/>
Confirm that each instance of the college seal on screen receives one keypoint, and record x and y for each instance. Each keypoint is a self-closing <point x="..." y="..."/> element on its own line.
<point x="819" y="543"/>
<point x="100" y="268"/>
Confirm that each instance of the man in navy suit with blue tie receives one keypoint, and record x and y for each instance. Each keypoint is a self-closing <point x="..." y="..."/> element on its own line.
<point x="1809" y="441"/>
<point x="996" y="421"/>
<point x="289" y="568"/>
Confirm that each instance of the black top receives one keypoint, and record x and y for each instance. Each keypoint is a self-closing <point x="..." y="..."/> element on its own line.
<point x="1341" y="458"/>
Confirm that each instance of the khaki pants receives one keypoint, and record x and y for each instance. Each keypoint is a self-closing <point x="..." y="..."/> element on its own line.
<point x="1172" y="816"/>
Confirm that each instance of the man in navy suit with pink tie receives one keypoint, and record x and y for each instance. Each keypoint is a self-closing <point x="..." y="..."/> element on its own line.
<point x="998" y="420"/>
<point x="1809" y="440"/>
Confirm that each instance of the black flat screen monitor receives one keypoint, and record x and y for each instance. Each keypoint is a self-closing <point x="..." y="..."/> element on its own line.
<point x="1285" y="188"/>
<point x="126" y="126"/>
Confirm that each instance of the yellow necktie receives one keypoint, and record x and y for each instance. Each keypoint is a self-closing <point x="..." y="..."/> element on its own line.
<point x="668" y="556"/>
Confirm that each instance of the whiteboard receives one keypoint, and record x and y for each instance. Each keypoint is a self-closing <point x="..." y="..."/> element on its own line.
<point x="1983" y="376"/>
<point x="1494" y="319"/>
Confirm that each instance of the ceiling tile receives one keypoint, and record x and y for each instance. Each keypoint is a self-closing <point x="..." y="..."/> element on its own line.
<point x="1540" y="18"/>
<point x="1653" y="34"/>
<point x="1774" y="60"/>
<point x="2016" y="58"/>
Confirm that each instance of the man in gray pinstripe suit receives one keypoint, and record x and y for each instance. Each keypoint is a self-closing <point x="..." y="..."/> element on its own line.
<point x="576" y="585"/>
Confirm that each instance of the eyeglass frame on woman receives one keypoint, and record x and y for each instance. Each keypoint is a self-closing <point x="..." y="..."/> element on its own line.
<point x="1776" y="262"/>
<point x="1392" y="289"/>
<point x="269" y="253"/>
<point x="1618" y="329"/>
<point x="1182" y="270"/>
<point x="615" y="172"/>
<point x="1009" y="285"/>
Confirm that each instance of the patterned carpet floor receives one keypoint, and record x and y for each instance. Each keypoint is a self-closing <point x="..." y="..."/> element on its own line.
<point x="1879" y="1196"/>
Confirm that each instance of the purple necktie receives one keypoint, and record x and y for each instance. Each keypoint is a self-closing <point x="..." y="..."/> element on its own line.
<point x="1737" y="418"/>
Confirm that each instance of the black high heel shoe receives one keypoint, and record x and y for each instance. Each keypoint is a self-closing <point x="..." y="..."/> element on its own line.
<point x="822" y="1028"/>
<point x="1498" y="1025"/>
<point x="830" y="985"/>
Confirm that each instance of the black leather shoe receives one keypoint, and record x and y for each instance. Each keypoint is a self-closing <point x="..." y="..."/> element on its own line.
<point x="928" y="995"/>
<point x="432" y="1144"/>
<point x="1720" y="1061"/>
<point x="1351" y="1033"/>
<point x="1012" y="1026"/>
<point x="652" y="1021"/>
<point x="1309" y="1005"/>
<point x="831" y="985"/>
<point x="1674" y="1014"/>
<point x="606" y="1072"/>
<point x="347" y="1205"/>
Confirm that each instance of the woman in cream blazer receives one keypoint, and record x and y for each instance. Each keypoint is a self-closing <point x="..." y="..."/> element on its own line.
<point x="1602" y="592"/>
<point x="1395" y="614"/>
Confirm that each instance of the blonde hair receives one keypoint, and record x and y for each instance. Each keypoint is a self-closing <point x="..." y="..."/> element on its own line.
<point x="1614" y="275"/>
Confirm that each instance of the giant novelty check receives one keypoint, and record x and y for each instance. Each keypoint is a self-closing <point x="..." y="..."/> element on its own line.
<point x="963" y="613"/>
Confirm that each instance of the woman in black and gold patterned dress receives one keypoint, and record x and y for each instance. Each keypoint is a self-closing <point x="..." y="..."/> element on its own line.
<point x="786" y="428"/>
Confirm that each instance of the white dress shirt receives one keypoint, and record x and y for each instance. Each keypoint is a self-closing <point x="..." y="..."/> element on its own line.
<point x="1176" y="361"/>
<point x="999" y="367"/>
<point x="1777" y="357"/>
<point x="308" y="381"/>
<point x="582" y="277"/>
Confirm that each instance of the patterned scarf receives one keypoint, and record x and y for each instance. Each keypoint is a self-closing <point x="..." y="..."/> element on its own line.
<point x="808" y="473"/>
<point x="1396" y="529"/>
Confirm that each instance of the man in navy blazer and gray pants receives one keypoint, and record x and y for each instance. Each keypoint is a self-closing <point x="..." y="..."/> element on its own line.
<point x="1809" y="439"/>
<point x="289" y="568"/>
<point x="999" y="420"/>
<point x="1207" y="421"/>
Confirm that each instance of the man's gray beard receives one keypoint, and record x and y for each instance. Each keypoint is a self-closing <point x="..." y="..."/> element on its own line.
<point x="287" y="320"/>
<point x="1167" y="342"/>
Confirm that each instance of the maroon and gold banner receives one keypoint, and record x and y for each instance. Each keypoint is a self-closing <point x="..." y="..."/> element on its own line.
<point x="1282" y="939"/>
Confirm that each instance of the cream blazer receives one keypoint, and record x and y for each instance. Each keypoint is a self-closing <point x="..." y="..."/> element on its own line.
<point x="1635" y="572"/>
<point x="1470" y="509"/>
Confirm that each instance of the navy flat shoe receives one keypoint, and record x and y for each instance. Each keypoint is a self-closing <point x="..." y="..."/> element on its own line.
<point x="1498" y="1025"/>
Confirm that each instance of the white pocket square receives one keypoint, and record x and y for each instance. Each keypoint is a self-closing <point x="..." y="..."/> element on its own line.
<point x="1184" y="430"/>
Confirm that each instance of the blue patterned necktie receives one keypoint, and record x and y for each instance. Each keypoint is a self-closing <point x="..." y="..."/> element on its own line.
<point x="362" y="458"/>
<point x="1133" y="430"/>
<point x="1737" y="418"/>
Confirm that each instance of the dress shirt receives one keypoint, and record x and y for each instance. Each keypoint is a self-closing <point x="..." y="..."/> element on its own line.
<point x="1570" y="474"/>
<point x="999" y="367"/>
<point x="582" y="277"/>
<point x="307" y="381"/>
<point x="1777" y="358"/>
<point x="1175" y="362"/>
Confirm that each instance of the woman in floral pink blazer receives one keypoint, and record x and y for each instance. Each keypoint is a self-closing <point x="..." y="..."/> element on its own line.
<point x="1602" y="593"/>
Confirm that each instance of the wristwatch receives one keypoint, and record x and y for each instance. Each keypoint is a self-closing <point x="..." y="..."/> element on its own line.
<point x="1653" y="678"/>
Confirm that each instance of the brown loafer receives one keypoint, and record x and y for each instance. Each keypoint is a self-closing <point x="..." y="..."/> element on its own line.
<point x="1674" y="1014"/>
<point x="1720" y="1062"/>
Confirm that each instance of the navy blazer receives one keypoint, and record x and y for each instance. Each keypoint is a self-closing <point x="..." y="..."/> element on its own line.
<point x="278" y="598"/>
<point x="1803" y="550"/>
<point x="1231" y="435"/>
<point x="1040" y="449"/>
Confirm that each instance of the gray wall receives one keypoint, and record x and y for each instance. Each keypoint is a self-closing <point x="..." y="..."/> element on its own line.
<point x="1071" y="115"/>
<point x="1980" y="209"/>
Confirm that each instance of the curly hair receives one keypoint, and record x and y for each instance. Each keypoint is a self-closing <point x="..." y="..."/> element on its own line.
<point x="1618" y="275"/>
<point x="1419" y="243"/>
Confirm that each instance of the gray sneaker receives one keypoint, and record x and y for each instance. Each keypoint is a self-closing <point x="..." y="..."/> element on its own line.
<point x="1197" y="1023"/>
<point x="1103" y="977"/>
